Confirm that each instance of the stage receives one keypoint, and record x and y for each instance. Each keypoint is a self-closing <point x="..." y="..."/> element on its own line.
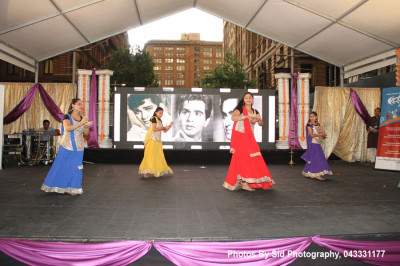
<point x="356" y="203"/>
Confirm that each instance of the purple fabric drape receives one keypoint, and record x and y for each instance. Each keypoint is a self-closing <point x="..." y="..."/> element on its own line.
<point x="373" y="252"/>
<point x="261" y="252"/>
<point x="92" y="140"/>
<point x="62" y="253"/>
<point x="50" y="105"/>
<point x="23" y="105"/>
<point x="279" y="252"/>
<point x="21" y="108"/>
<point x="293" y="139"/>
<point x="359" y="106"/>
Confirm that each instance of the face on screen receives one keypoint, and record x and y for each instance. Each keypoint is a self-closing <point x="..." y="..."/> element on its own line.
<point x="193" y="117"/>
<point x="227" y="111"/>
<point x="144" y="112"/>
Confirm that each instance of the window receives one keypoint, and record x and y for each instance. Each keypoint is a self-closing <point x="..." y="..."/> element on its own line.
<point x="169" y="54"/>
<point x="169" y="48"/>
<point x="218" y="62"/>
<point x="196" y="68"/>
<point x="196" y="51"/>
<point x="180" y="75"/>
<point x="157" y="48"/>
<point x="181" y="61"/>
<point x="157" y="67"/>
<point x="157" y="54"/>
<point x="48" y="66"/>
<point x="169" y="67"/>
<point x="207" y="67"/>
<point x="196" y="75"/>
<point x="169" y="75"/>
<point x="180" y="68"/>
<point x="159" y="82"/>
<point x="207" y="52"/>
<point x="180" y="54"/>
<point x="157" y="60"/>
<point x="12" y="69"/>
<point x="180" y="48"/>
<point x="169" y="60"/>
<point x="158" y="75"/>
<point x="218" y="52"/>
<point x="207" y="62"/>
<point x="180" y="82"/>
<point x="169" y="82"/>
<point x="197" y="62"/>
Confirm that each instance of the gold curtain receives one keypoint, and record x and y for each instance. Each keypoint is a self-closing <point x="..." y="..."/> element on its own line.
<point x="347" y="135"/>
<point x="61" y="93"/>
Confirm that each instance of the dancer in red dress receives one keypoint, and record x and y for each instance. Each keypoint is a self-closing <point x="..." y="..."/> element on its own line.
<point x="247" y="169"/>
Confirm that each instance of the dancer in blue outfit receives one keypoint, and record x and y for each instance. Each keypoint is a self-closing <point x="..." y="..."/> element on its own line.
<point x="316" y="164"/>
<point x="65" y="175"/>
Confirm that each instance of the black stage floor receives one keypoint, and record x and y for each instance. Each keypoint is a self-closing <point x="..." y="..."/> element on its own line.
<point x="357" y="203"/>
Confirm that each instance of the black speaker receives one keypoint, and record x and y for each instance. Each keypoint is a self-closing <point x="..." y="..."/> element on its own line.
<point x="10" y="161"/>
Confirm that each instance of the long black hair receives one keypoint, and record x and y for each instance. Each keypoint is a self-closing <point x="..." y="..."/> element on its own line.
<point x="157" y="109"/>
<point x="241" y="101"/>
<point x="74" y="101"/>
<point x="316" y="121"/>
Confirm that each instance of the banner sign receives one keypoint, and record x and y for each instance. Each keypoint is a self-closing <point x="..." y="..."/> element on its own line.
<point x="388" y="152"/>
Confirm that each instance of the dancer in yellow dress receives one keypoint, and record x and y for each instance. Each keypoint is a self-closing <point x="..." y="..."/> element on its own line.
<point x="154" y="161"/>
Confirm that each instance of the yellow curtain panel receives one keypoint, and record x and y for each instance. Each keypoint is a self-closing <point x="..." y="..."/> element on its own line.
<point x="61" y="93"/>
<point x="347" y="135"/>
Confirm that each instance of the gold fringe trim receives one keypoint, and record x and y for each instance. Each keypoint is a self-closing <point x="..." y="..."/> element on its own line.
<point x="320" y="174"/>
<point x="152" y="172"/>
<point x="241" y="179"/>
<point x="255" y="154"/>
<point x="235" y="187"/>
<point x="62" y="190"/>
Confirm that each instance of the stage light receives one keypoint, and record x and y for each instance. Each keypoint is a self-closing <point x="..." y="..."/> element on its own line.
<point x="271" y="119"/>
<point x="117" y="117"/>
<point x="139" y="147"/>
<point x="224" y="147"/>
<point x="196" y="147"/>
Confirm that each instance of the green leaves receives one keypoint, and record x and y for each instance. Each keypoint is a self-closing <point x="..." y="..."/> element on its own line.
<point x="229" y="74"/>
<point x="134" y="70"/>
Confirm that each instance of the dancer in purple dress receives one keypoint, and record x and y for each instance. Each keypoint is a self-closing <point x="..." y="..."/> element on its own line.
<point x="316" y="164"/>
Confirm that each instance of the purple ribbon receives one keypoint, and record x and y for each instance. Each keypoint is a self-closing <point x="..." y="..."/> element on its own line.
<point x="92" y="140"/>
<point x="293" y="138"/>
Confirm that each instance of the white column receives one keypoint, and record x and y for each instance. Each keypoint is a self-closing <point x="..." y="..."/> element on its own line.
<point x="303" y="106"/>
<point x="103" y="108"/>
<point x="284" y="110"/>
<point x="84" y="88"/>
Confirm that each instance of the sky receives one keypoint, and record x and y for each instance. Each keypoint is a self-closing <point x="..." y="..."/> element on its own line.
<point x="170" y="28"/>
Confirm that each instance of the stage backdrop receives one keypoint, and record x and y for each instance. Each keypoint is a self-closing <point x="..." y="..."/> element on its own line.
<point x="347" y="134"/>
<point x="1" y="122"/>
<point x="61" y="93"/>
<point x="388" y="153"/>
<point x="202" y="117"/>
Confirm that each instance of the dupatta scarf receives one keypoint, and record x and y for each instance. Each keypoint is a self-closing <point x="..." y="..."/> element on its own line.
<point x="244" y="141"/>
<point x="149" y="131"/>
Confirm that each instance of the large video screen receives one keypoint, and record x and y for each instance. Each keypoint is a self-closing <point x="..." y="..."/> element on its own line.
<point x="202" y="117"/>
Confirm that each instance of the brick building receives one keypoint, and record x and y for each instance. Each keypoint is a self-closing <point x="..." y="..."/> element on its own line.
<point x="263" y="58"/>
<point x="184" y="62"/>
<point x="60" y="68"/>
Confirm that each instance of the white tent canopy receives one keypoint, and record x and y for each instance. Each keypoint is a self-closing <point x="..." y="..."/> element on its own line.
<point x="358" y="35"/>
